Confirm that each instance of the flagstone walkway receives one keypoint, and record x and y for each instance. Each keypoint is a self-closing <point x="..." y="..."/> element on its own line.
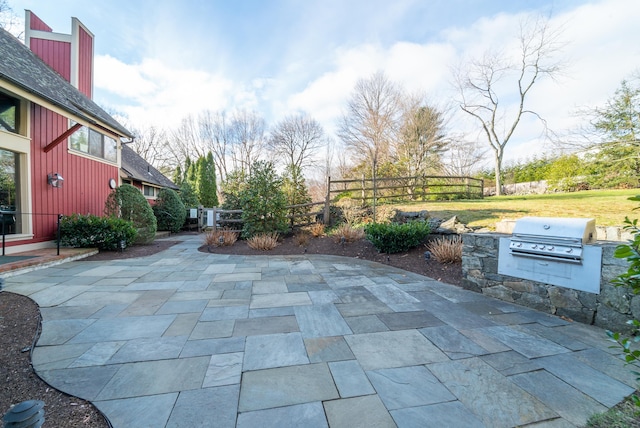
<point x="188" y="339"/>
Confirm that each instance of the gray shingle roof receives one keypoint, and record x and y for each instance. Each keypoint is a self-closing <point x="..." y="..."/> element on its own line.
<point x="23" y="68"/>
<point x="139" y="169"/>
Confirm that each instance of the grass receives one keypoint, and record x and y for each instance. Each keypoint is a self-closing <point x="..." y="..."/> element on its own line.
<point x="608" y="207"/>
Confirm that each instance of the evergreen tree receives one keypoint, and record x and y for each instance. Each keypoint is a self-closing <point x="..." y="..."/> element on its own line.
<point x="295" y="190"/>
<point x="263" y="201"/>
<point x="206" y="181"/>
<point x="177" y="176"/>
<point x="188" y="195"/>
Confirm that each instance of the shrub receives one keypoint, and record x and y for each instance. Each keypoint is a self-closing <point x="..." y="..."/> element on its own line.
<point x="317" y="230"/>
<point x="169" y="211"/>
<point x="213" y="238"/>
<point x="263" y="241"/>
<point x="446" y="250"/>
<point x="630" y="279"/>
<point x="126" y="202"/>
<point x="395" y="237"/>
<point x="264" y="204"/>
<point x="104" y="233"/>
<point x="348" y="232"/>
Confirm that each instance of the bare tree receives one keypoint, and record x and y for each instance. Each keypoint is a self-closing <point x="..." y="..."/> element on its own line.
<point x="186" y="141"/>
<point x="247" y="139"/>
<point x="216" y="132"/>
<point x="463" y="158"/>
<point x="481" y="80"/>
<point x="421" y="141"/>
<point x="9" y="20"/>
<point x="152" y="144"/>
<point x="295" y="140"/>
<point x="370" y="123"/>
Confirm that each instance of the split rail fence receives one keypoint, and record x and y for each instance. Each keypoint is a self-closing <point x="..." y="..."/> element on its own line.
<point x="366" y="190"/>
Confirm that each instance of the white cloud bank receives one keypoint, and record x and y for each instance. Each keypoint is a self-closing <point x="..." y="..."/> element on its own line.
<point x="601" y="50"/>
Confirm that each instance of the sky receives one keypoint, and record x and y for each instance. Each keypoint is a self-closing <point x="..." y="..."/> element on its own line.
<point x="156" y="61"/>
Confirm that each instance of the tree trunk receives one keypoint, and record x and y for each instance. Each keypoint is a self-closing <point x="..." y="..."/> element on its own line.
<point x="498" y="169"/>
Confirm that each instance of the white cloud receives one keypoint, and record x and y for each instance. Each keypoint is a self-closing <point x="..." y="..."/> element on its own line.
<point x="154" y="93"/>
<point x="316" y="71"/>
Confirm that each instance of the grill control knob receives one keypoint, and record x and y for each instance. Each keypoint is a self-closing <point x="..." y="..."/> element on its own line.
<point x="551" y="248"/>
<point x="519" y="244"/>
<point x="569" y="250"/>
<point x="534" y="246"/>
<point x="542" y="247"/>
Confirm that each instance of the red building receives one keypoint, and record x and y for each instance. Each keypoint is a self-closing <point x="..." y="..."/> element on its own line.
<point x="59" y="151"/>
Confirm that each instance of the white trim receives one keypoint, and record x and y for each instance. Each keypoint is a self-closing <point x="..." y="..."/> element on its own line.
<point x="21" y="145"/>
<point x="75" y="52"/>
<point x="49" y="35"/>
<point x="28" y="247"/>
<point x="88" y="156"/>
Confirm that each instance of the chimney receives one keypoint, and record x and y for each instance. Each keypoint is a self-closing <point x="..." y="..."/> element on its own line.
<point x="71" y="55"/>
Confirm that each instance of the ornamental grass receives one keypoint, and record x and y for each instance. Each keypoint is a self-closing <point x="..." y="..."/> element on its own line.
<point x="446" y="250"/>
<point x="263" y="241"/>
<point x="220" y="238"/>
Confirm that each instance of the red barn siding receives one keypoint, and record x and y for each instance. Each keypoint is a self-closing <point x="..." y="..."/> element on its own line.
<point x="85" y="187"/>
<point x="56" y="54"/>
<point x="85" y="62"/>
<point x="36" y="23"/>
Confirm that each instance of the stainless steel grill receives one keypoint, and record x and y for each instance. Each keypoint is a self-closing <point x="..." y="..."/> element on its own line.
<point x="553" y="251"/>
<point x="548" y="238"/>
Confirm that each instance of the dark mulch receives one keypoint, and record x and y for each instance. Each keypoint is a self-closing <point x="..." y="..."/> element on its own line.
<point x="20" y="321"/>
<point x="19" y="324"/>
<point x="412" y="260"/>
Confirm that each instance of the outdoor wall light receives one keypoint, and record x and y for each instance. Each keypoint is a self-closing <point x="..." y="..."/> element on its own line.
<point x="55" y="179"/>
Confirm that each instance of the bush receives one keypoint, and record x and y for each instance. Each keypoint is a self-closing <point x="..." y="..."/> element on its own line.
<point x="128" y="203"/>
<point x="104" y="233"/>
<point x="446" y="250"/>
<point x="169" y="211"/>
<point x="264" y="204"/>
<point x="395" y="237"/>
<point x="263" y="241"/>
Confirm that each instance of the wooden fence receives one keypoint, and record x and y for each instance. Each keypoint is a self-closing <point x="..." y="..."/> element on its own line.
<point x="300" y="215"/>
<point x="381" y="190"/>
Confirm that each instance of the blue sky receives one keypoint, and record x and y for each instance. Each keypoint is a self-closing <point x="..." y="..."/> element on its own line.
<point x="158" y="61"/>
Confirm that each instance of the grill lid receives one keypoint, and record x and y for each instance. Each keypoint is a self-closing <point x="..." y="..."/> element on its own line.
<point x="552" y="238"/>
<point x="558" y="229"/>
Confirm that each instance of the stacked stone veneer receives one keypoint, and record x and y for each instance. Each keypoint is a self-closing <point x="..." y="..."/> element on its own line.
<point x="610" y="309"/>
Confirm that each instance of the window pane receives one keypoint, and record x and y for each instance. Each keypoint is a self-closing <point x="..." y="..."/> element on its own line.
<point x="110" y="149"/>
<point x="9" y="113"/>
<point x="80" y="139"/>
<point x="9" y="191"/>
<point x="95" y="144"/>
<point x="148" y="191"/>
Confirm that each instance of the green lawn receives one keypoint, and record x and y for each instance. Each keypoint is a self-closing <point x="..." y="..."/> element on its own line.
<point x="608" y="207"/>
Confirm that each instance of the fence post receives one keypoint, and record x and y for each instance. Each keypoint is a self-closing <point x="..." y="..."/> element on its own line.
<point x="200" y="218"/>
<point x="215" y="219"/>
<point x="57" y="233"/>
<point x="364" y="195"/>
<point x="327" y="201"/>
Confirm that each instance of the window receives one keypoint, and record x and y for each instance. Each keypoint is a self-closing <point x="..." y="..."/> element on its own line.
<point x="9" y="191"/>
<point x="149" y="191"/>
<point x="9" y="108"/>
<point x="93" y="143"/>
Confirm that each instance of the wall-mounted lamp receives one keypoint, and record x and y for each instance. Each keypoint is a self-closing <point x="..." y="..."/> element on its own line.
<point x="55" y="179"/>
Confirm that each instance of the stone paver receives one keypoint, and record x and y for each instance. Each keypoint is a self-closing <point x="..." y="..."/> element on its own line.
<point x="196" y="339"/>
